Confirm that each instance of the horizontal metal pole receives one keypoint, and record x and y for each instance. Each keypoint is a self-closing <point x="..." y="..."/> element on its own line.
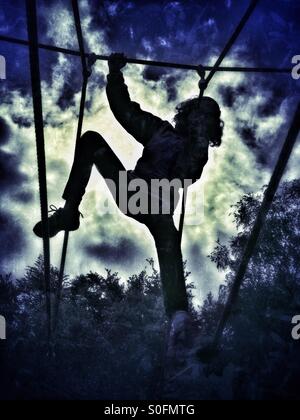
<point x="150" y="62"/>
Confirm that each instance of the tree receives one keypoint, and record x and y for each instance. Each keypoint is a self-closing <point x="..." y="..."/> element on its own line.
<point x="258" y="338"/>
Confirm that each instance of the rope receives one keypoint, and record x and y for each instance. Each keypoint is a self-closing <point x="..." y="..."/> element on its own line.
<point x="86" y="71"/>
<point x="179" y="66"/>
<point x="182" y="216"/>
<point x="202" y="87"/>
<point x="40" y="146"/>
<point x="260" y="221"/>
<point x="204" y="84"/>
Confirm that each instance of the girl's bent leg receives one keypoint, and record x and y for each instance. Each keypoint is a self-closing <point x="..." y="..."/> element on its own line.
<point x="171" y="263"/>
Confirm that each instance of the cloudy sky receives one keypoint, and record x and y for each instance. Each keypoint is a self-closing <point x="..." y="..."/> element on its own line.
<point x="257" y="110"/>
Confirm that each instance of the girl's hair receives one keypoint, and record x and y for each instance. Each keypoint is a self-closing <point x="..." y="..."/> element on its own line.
<point x="204" y="112"/>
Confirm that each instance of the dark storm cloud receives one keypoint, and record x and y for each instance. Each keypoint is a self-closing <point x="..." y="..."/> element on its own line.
<point x="10" y="176"/>
<point x="154" y="74"/>
<point x="4" y="132"/>
<point x="13" y="18"/>
<point x="171" y="88"/>
<point x="248" y="135"/>
<point x="230" y="94"/>
<point x="273" y="94"/>
<point x="97" y="82"/>
<point x="11" y="237"/>
<point x="272" y="88"/>
<point x="276" y="96"/>
<point x="124" y="251"/>
<point x="101" y="17"/>
<point x="11" y="179"/>
<point x="13" y="23"/>
<point x="22" y="121"/>
<point x="67" y="97"/>
<point x="24" y="197"/>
